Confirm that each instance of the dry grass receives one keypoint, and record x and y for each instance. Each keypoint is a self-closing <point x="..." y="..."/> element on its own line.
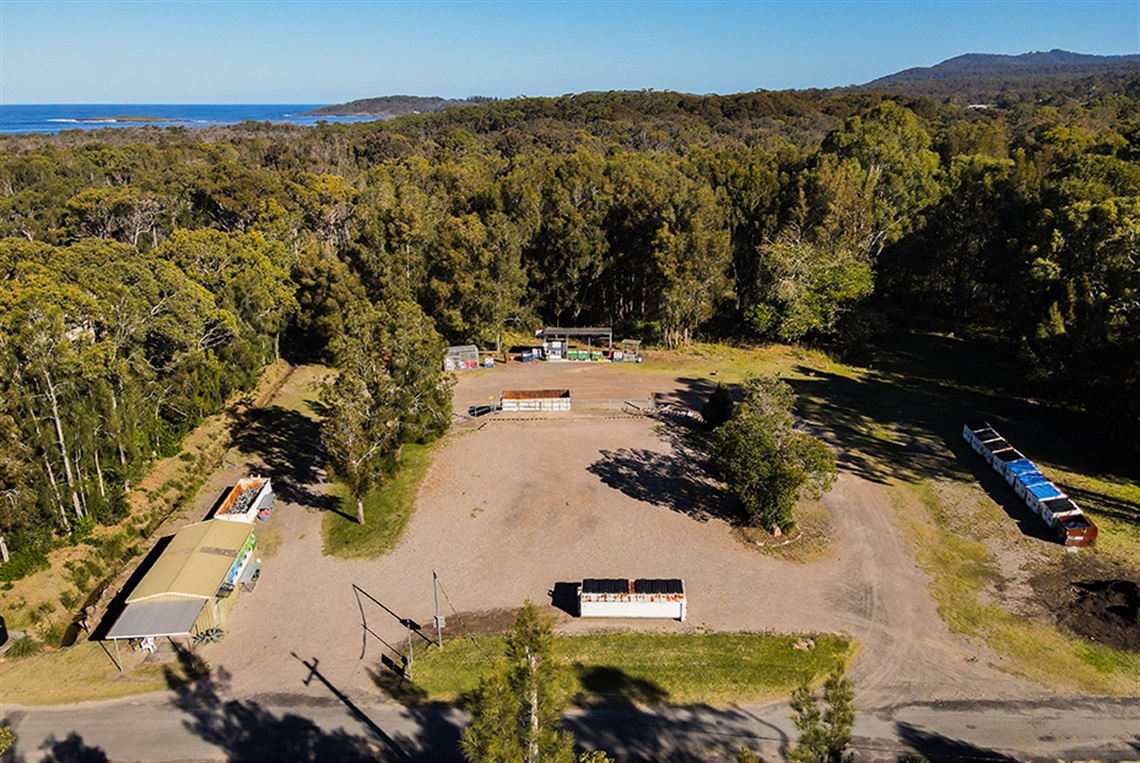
<point x="962" y="568"/>
<point x="82" y="673"/>
<point x="812" y="540"/>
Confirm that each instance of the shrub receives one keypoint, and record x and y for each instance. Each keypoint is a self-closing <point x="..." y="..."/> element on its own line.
<point x="25" y="646"/>
<point x="22" y="562"/>
<point x="209" y="636"/>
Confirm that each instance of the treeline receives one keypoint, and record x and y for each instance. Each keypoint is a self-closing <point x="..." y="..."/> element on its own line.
<point x="148" y="273"/>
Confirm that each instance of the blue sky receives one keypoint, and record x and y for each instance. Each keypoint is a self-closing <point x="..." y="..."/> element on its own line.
<point x="270" y="51"/>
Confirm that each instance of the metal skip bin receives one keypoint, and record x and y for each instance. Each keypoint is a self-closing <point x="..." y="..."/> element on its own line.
<point x="621" y="597"/>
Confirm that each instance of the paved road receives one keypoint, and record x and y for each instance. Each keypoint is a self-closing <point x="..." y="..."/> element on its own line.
<point x="199" y="725"/>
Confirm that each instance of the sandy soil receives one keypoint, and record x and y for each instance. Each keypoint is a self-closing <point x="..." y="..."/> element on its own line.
<point x="512" y="507"/>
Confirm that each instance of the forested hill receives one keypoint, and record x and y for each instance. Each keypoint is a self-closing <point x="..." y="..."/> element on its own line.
<point x="146" y="274"/>
<point x="990" y="77"/>
<point x="394" y="106"/>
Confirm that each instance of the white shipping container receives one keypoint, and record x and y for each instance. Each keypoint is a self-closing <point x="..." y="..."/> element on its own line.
<point x="633" y="598"/>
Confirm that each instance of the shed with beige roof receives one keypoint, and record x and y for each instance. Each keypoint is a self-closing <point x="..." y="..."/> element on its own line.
<point x="192" y="585"/>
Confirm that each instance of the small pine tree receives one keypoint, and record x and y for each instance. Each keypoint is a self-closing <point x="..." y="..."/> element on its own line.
<point x="825" y="732"/>
<point x="516" y="711"/>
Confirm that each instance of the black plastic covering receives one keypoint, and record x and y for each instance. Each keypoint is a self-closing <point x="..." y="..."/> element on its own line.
<point x="605" y="585"/>
<point x="672" y="585"/>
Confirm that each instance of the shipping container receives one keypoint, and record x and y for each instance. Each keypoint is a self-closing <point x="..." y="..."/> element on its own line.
<point x="251" y="498"/>
<point x="620" y="597"/>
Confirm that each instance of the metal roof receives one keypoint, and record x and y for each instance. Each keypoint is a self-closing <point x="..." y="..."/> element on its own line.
<point x="556" y="331"/>
<point x="146" y="619"/>
<point x="196" y="562"/>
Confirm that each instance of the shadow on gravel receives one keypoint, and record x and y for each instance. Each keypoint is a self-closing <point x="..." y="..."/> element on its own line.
<point x="678" y="479"/>
<point x="564" y="596"/>
<point x="246" y="731"/>
<point x="935" y="747"/>
<point x="289" y="444"/>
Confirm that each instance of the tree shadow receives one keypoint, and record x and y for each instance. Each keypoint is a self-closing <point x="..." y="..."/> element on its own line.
<point x="607" y="686"/>
<point x="289" y="444"/>
<point x="246" y="731"/>
<point x="935" y="747"/>
<point x="679" y="480"/>
<point x="71" y="749"/>
<point x="690" y="392"/>
<point x="964" y="379"/>
<point x="676" y="735"/>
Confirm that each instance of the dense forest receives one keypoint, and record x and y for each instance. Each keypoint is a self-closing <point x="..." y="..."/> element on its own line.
<point x="146" y="275"/>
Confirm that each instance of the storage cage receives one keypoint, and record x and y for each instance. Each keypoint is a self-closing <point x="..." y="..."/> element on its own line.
<point x="630" y="351"/>
<point x="536" y="400"/>
<point x="620" y="597"/>
<point x="461" y="358"/>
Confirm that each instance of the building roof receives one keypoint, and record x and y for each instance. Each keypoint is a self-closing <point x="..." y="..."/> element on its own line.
<point x="195" y="563"/>
<point x="151" y="619"/>
<point x="557" y="331"/>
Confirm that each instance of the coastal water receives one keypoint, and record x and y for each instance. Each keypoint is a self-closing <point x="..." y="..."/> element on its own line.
<point x="52" y="118"/>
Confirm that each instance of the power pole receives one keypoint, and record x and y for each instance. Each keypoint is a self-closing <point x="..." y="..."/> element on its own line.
<point x="411" y="658"/>
<point x="438" y="619"/>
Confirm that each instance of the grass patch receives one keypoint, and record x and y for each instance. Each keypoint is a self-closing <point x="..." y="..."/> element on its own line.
<point x="962" y="568"/>
<point x="811" y="541"/>
<point x="646" y="669"/>
<point x="80" y="673"/>
<point x="386" y="511"/>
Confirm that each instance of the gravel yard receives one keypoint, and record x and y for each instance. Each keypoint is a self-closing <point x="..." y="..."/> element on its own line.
<point x="513" y="506"/>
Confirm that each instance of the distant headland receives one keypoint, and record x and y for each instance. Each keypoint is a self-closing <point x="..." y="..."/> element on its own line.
<point x="394" y="106"/>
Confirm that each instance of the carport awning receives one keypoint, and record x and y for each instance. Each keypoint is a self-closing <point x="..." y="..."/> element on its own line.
<point x="148" y="619"/>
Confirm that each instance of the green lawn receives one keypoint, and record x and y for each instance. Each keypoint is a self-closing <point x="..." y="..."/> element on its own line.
<point x="386" y="511"/>
<point x="639" y="668"/>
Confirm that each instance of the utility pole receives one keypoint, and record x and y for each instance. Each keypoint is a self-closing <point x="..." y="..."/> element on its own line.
<point x="438" y="619"/>
<point x="411" y="658"/>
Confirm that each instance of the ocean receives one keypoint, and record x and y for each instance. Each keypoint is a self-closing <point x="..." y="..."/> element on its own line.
<point x="52" y="118"/>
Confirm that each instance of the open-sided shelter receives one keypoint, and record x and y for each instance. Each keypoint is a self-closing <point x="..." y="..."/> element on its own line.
<point x="599" y="342"/>
<point x="192" y="585"/>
